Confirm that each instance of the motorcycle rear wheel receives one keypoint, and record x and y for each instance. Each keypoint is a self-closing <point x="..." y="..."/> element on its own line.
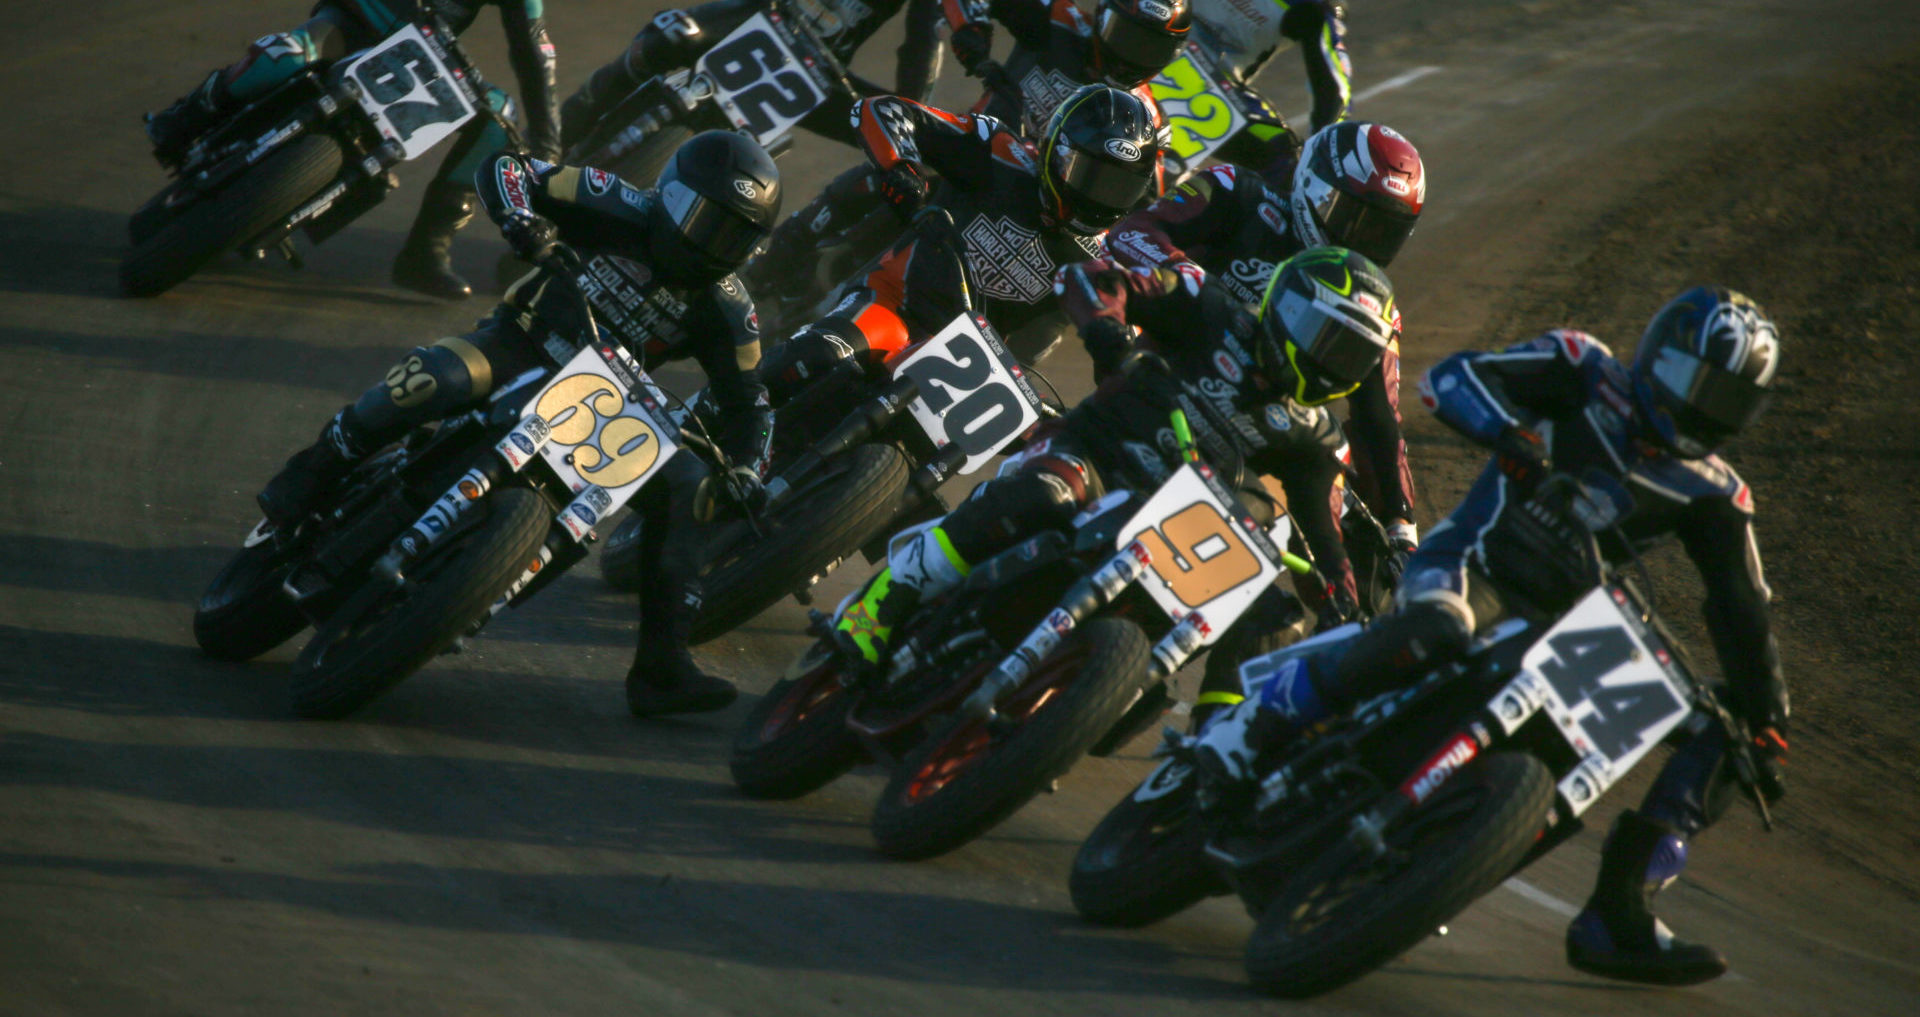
<point x="831" y="519"/>
<point x="966" y="778"/>
<point x="1337" y="919"/>
<point x="1145" y="861"/>
<point x="795" y="740"/>
<point x="352" y="661"/>
<point x="224" y="220"/>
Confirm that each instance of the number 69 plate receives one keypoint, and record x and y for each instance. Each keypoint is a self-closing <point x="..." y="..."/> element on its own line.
<point x="599" y="433"/>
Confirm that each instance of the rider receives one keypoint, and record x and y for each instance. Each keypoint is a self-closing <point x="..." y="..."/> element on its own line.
<point x="1358" y="185"/>
<point x="1018" y="219"/>
<point x="659" y="280"/>
<point x="1253" y="386"/>
<point x="1055" y="47"/>
<point x="676" y="39"/>
<point x="340" y="27"/>
<point x="1561" y="402"/>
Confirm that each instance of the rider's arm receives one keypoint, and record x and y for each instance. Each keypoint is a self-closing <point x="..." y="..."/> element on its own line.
<point x="1026" y="20"/>
<point x="957" y="146"/>
<point x="1203" y="211"/>
<point x="1308" y="482"/>
<point x="917" y="61"/>
<point x="1375" y="422"/>
<point x="1482" y="395"/>
<point x="730" y="355"/>
<point x="530" y="52"/>
<point x="591" y="207"/>
<point x="1318" y="26"/>
<point x="1718" y="535"/>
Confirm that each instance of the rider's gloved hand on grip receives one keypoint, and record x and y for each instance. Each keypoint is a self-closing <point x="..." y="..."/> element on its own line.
<point x="1522" y="456"/>
<point x="739" y="487"/>
<point x="1770" y="762"/>
<point x="1338" y="606"/>
<point x="1108" y="342"/>
<point x="903" y="187"/>
<point x="1403" y="538"/>
<point x="532" y="237"/>
<point x="972" y="44"/>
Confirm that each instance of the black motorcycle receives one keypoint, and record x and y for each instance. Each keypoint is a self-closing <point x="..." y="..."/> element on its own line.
<point x="1367" y="833"/>
<point x="429" y="539"/>
<point x="314" y="154"/>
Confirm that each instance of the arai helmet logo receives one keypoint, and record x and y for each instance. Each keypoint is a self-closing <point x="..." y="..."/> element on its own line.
<point x="1156" y="11"/>
<point x="746" y="189"/>
<point x="1122" y="149"/>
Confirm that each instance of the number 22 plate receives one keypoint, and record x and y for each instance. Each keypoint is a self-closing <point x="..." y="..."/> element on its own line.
<point x="1201" y="114"/>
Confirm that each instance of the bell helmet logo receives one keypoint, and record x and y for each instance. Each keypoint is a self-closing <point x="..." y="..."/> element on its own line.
<point x="746" y="189"/>
<point x="1156" y="11"/>
<point x="1122" y="149"/>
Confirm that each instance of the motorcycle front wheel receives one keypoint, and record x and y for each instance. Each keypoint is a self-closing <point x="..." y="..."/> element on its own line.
<point x="368" y="649"/>
<point x="1147" y="859"/>
<point x="244" y="612"/>
<point x="796" y="740"/>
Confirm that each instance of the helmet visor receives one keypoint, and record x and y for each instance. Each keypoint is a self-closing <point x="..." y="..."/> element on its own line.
<point x="1354" y="223"/>
<point x="1710" y="404"/>
<point x="708" y="227"/>
<point x="1336" y="346"/>
<point x="1133" y="51"/>
<point x="1111" y="189"/>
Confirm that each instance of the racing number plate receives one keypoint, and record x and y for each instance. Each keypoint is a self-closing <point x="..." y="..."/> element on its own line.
<point x="758" y="81"/>
<point x="970" y="392"/>
<point x="598" y="435"/>
<point x="1201" y="113"/>
<point x="1207" y="556"/>
<point x="408" y="92"/>
<point x="1611" y="697"/>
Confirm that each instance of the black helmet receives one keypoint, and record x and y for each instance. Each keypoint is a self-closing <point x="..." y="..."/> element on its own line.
<point x="1099" y="158"/>
<point x="1134" y="39"/>
<point x="717" y="199"/>
<point x="1324" y="323"/>
<point x="1361" y="186"/>
<point x="1704" y="369"/>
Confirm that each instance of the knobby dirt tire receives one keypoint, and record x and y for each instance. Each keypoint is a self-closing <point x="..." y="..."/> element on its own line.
<point x="244" y="612"/>
<point x="336" y="676"/>
<point x="802" y="537"/>
<point x="912" y="822"/>
<point x="795" y="739"/>
<point x="231" y="216"/>
<point x="1144" y="862"/>
<point x="1293" y="956"/>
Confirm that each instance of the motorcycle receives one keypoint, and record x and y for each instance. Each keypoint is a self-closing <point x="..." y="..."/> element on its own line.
<point x="432" y="538"/>
<point x="1370" y="831"/>
<point x="313" y="155"/>
<point x="1060" y="646"/>
<point x="846" y="478"/>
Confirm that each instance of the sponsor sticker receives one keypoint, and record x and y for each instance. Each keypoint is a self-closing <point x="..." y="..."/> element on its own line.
<point x="1122" y="149"/>
<point x="599" y="181"/>
<point x="513" y="184"/>
<point x="746" y="189"/>
<point x="1227" y="366"/>
<point x="1444" y="764"/>
<point x="1277" y="417"/>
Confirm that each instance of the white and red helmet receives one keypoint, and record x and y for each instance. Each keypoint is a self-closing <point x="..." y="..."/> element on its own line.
<point x="1360" y="186"/>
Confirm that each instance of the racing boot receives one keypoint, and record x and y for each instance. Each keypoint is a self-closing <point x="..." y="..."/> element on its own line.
<point x="173" y="130"/>
<point x="664" y="679"/>
<point x="1618" y="935"/>
<point x="1279" y="705"/>
<point x="310" y="475"/>
<point x="425" y="262"/>
<point x="919" y="565"/>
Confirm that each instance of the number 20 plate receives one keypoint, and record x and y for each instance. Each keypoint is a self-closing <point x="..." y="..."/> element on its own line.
<point x="969" y="395"/>
<point x="599" y="436"/>
<point x="1203" y="558"/>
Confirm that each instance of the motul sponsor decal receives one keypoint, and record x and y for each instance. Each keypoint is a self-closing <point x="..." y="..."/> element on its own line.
<point x="1444" y="764"/>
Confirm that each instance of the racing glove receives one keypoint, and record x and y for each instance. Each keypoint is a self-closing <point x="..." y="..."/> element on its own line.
<point x="1403" y="538"/>
<point x="532" y="237"/>
<point x="972" y="45"/>
<point x="739" y="487"/>
<point x="903" y="187"/>
<point x="1108" y="342"/>
<point x="1337" y="606"/>
<point x="1522" y="456"/>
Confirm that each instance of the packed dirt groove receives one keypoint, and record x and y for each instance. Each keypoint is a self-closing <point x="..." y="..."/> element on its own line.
<point x="497" y="836"/>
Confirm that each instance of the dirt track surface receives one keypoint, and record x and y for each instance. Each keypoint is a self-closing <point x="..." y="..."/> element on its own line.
<point x="497" y="836"/>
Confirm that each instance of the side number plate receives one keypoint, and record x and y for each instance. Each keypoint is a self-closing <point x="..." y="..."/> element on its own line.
<point x="406" y="90"/>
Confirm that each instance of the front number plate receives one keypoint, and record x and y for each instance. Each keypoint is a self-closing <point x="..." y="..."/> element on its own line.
<point x="1206" y="556"/>
<point x="970" y="395"/>
<point x="758" y="81"/>
<point x="600" y="434"/>
<point x="1201" y="114"/>
<point x="411" y="96"/>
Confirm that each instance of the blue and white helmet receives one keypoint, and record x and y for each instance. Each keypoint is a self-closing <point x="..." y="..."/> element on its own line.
<point x="1704" y="369"/>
